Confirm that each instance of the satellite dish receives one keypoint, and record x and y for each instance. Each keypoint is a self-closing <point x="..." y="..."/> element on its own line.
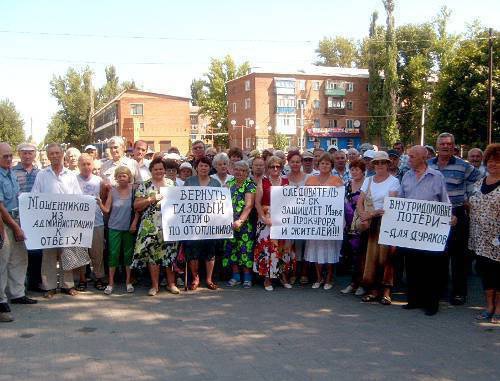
<point x="356" y="123"/>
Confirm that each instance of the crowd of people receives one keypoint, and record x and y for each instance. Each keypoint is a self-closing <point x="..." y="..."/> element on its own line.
<point x="128" y="232"/>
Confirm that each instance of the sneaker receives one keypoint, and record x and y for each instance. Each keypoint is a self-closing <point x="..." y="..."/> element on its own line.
<point x="6" y="317"/>
<point x="360" y="291"/>
<point x="328" y="286"/>
<point x="152" y="291"/>
<point x="130" y="288"/>
<point x="348" y="290"/>
<point x="269" y="287"/>
<point x="173" y="290"/>
<point x="287" y="285"/>
<point x="108" y="290"/>
<point x="316" y="285"/>
<point x="247" y="284"/>
<point x="485" y="315"/>
<point x="233" y="282"/>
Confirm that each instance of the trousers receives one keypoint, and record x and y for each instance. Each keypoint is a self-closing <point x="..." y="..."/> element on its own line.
<point x="49" y="271"/>
<point x="13" y="265"/>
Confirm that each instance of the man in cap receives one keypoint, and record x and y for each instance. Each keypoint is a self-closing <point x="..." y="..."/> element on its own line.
<point x="13" y="254"/>
<point x="92" y="151"/>
<point x="308" y="163"/>
<point x="26" y="171"/>
<point x="332" y="148"/>
<point x="368" y="155"/>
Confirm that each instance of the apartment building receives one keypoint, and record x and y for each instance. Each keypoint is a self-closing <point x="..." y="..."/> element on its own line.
<point x="161" y="120"/>
<point x="318" y="106"/>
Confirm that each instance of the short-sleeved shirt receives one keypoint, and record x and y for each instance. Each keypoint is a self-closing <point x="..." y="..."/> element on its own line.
<point x="109" y="167"/>
<point x="9" y="189"/>
<point x="379" y="191"/>
<point x="92" y="186"/>
<point x="194" y="181"/>
<point x="24" y="178"/>
<point x="144" y="170"/>
<point x="430" y="187"/>
<point x="48" y="182"/>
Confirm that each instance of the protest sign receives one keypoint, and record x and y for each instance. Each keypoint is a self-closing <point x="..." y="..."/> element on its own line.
<point x="308" y="212"/>
<point x="57" y="220"/>
<point x="194" y="213"/>
<point x="416" y="224"/>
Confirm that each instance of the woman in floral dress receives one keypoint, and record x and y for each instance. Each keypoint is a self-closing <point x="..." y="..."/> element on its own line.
<point x="238" y="251"/>
<point x="150" y="249"/>
<point x="271" y="260"/>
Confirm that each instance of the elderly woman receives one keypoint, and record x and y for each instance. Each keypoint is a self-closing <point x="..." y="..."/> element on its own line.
<point x="322" y="252"/>
<point x="238" y="250"/>
<point x="378" y="275"/>
<point x="71" y="157"/>
<point x="354" y="243"/>
<point x="185" y="171"/>
<point x="171" y="170"/>
<point x="296" y="177"/>
<point x="150" y="248"/>
<point x="270" y="259"/>
<point x="221" y="165"/>
<point x="485" y="232"/>
<point x="201" y="249"/>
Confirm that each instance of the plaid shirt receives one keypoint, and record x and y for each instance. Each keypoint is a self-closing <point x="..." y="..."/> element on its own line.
<point x="460" y="177"/>
<point x="24" y="178"/>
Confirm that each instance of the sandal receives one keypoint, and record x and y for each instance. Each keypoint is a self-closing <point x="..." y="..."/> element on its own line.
<point x="211" y="286"/>
<point x="82" y="286"/>
<point x="386" y="301"/>
<point x="99" y="285"/>
<point x="193" y="286"/>
<point x="368" y="298"/>
<point x="49" y="294"/>
<point x="70" y="291"/>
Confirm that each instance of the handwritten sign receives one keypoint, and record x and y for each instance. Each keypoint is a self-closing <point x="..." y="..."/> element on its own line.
<point x="194" y="213"/>
<point x="57" y="220"/>
<point x="309" y="212"/>
<point x="415" y="224"/>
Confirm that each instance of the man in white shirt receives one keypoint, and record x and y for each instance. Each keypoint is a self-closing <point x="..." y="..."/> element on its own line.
<point x="55" y="179"/>
<point x="116" y="147"/>
<point x="140" y="150"/>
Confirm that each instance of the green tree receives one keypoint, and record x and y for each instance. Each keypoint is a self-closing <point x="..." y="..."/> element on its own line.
<point x="280" y="141"/>
<point x="337" y="51"/>
<point x="197" y="91"/>
<point x="213" y="99"/>
<point x="57" y="130"/>
<point x="390" y="133"/>
<point x="11" y="124"/>
<point x="460" y="103"/>
<point x="112" y="87"/>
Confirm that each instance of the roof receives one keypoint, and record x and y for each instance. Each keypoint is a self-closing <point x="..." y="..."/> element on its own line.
<point x="139" y="92"/>
<point x="311" y="70"/>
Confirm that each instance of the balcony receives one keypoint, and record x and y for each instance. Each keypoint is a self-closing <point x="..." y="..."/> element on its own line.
<point x="285" y="110"/>
<point x="338" y="92"/>
<point x="335" y="111"/>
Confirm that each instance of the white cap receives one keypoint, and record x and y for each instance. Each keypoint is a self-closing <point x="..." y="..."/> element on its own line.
<point x="90" y="146"/>
<point x="333" y="146"/>
<point x="369" y="153"/>
<point x="186" y="165"/>
<point x="172" y="156"/>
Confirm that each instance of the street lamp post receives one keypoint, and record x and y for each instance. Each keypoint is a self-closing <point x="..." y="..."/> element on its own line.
<point x="233" y="123"/>
<point x="251" y="123"/>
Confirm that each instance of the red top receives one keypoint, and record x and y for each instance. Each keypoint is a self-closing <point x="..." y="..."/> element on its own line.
<point x="266" y="190"/>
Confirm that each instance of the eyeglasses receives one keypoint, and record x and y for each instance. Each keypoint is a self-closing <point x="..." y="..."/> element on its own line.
<point x="274" y="167"/>
<point x="379" y="162"/>
<point x="7" y="156"/>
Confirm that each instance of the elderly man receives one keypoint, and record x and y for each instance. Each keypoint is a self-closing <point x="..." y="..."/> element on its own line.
<point x="139" y="153"/>
<point x="368" y="155"/>
<point x="475" y="157"/>
<point x="332" y="148"/>
<point x="352" y="154"/>
<point x="198" y="151"/>
<point x="13" y="254"/>
<point x="403" y="158"/>
<point x="26" y="172"/>
<point x="92" y="151"/>
<point x="116" y="147"/>
<point x="308" y="163"/>
<point x="460" y="177"/>
<point x="423" y="267"/>
<point x="340" y="168"/>
<point x="56" y="179"/>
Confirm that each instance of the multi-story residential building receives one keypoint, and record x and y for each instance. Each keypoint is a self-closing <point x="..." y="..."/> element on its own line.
<point x="200" y="126"/>
<point x="326" y="105"/>
<point x="159" y="119"/>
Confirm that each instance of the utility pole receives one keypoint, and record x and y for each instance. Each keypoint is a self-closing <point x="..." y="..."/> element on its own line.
<point x="422" y="126"/>
<point x="91" y="116"/>
<point x="490" y="87"/>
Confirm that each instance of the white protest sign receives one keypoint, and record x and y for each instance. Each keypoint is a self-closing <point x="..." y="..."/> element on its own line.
<point x="308" y="212"/>
<point x="416" y="224"/>
<point x="195" y="213"/>
<point x="57" y="220"/>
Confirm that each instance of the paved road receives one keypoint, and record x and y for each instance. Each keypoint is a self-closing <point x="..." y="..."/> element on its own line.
<point x="236" y="334"/>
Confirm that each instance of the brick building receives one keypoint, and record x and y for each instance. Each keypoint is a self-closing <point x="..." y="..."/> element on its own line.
<point x="159" y="119"/>
<point x="323" y="104"/>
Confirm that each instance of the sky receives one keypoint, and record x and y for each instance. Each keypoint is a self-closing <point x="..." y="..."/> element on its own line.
<point x="163" y="45"/>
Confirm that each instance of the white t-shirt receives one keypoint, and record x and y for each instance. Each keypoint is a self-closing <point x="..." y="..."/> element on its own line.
<point x="381" y="190"/>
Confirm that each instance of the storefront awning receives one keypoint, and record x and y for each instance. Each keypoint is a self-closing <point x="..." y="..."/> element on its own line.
<point x="333" y="132"/>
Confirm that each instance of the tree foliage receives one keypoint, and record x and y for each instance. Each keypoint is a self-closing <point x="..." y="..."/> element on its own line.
<point x="198" y="87"/>
<point x="11" y="124"/>
<point x="280" y="141"/>
<point x="212" y="98"/>
<point x="337" y="51"/>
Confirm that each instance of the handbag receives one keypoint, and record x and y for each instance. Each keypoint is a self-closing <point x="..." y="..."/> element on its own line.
<point x="74" y="257"/>
<point x="358" y="225"/>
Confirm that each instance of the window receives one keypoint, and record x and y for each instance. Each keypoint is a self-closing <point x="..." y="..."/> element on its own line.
<point x="367" y="87"/>
<point x="349" y="105"/>
<point x="247" y="103"/>
<point x="349" y="123"/>
<point x="151" y="145"/>
<point x="302" y="84"/>
<point x="316" y="104"/>
<point x="286" y="101"/>
<point x="141" y="126"/>
<point x="350" y="87"/>
<point x="332" y="123"/>
<point x="316" y="85"/>
<point x="336" y="103"/>
<point x="316" y="123"/>
<point x="248" y="142"/>
<point x="334" y="141"/>
<point x="247" y="85"/>
<point x="165" y="145"/>
<point x="285" y="83"/>
<point x="234" y="107"/>
<point x="301" y="104"/>
<point x="136" y="109"/>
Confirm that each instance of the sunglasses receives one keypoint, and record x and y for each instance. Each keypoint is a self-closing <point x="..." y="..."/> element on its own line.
<point x="379" y="162"/>
<point x="274" y="167"/>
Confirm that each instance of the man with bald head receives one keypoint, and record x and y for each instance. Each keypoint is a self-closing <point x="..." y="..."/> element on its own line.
<point x="423" y="267"/>
<point x="13" y="254"/>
